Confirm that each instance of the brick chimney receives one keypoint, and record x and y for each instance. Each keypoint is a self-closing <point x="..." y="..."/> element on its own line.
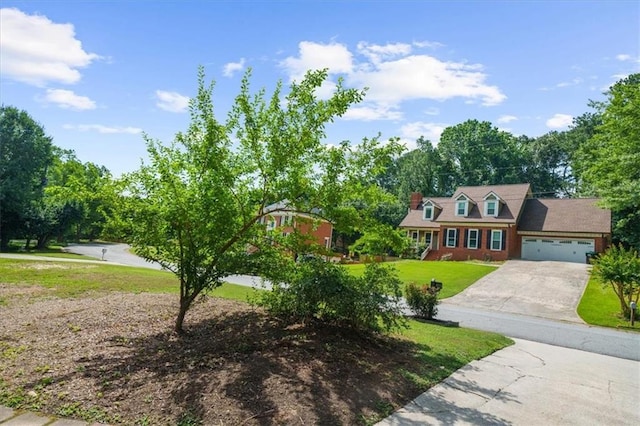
<point x="416" y="198"/>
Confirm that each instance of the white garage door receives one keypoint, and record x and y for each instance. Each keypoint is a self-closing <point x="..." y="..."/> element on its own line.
<point x="560" y="250"/>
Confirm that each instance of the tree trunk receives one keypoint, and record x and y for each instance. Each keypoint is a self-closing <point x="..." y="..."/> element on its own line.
<point x="4" y="242"/>
<point x="42" y="242"/>
<point x="26" y="244"/>
<point x="180" y="319"/>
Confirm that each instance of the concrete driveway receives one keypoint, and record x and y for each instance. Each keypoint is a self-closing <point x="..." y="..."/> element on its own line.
<point x="531" y="384"/>
<point x="542" y="289"/>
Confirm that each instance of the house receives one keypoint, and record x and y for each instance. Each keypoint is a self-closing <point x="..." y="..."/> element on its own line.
<point x="500" y="222"/>
<point x="281" y="216"/>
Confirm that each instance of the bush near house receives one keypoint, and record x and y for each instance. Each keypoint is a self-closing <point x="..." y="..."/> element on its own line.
<point x="422" y="299"/>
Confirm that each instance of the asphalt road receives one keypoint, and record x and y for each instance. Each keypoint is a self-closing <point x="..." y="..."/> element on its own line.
<point x="599" y="340"/>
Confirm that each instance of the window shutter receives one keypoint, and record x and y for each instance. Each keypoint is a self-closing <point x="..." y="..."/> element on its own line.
<point x="504" y="239"/>
<point x="480" y="238"/>
<point x="466" y="238"/>
<point x="488" y="238"/>
<point x="457" y="236"/>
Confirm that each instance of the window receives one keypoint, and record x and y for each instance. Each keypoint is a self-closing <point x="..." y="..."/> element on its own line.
<point x="427" y="239"/>
<point x="428" y="212"/>
<point x="287" y="220"/>
<point x="496" y="240"/>
<point x="414" y="236"/>
<point x="271" y="224"/>
<point x="327" y="243"/>
<point x="491" y="208"/>
<point x="452" y="237"/>
<point x="472" y="238"/>
<point x="461" y="208"/>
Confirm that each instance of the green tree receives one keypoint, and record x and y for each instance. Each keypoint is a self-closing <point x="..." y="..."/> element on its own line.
<point x="25" y="155"/>
<point x="197" y="208"/>
<point x="380" y="240"/>
<point x="620" y="268"/>
<point x="476" y="153"/>
<point x="83" y="185"/>
<point x="609" y="162"/>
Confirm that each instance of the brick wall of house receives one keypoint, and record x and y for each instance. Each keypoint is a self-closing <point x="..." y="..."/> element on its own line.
<point x="317" y="235"/>
<point x="462" y="252"/>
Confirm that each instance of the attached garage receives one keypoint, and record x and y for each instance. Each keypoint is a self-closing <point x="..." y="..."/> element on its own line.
<point x="563" y="250"/>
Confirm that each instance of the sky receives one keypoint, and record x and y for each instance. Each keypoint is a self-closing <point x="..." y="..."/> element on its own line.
<point x="98" y="75"/>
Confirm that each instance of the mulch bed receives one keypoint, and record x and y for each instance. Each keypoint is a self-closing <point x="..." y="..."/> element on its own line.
<point x="112" y="357"/>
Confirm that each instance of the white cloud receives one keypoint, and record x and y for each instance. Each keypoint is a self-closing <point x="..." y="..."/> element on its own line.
<point x="35" y="50"/>
<point x="102" y="129"/>
<point x="232" y="67"/>
<point x="623" y="57"/>
<point x="376" y="53"/>
<point x="393" y="75"/>
<point x="172" y="101"/>
<point x="371" y="113"/>
<point x="559" y="121"/>
<point x="507" y="118"/>
<point x="67" y="99"/>
<point x="312" y="56"/>
<point x="426" y="77"/>
<point x="432" y="111"/>
<point x="428" y="44"/>
<point x="430" y="131"/>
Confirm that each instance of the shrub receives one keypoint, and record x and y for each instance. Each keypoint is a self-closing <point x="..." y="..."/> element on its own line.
<point x="620" y="268"/>
<point x="324" y="292"/>
<point x="422" y="299"/>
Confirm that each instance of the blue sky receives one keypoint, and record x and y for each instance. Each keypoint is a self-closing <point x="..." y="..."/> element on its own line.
<point x="96" y="74"/>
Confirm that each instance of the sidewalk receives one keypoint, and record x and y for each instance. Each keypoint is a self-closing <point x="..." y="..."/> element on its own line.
<point x="11" y="417"/>
<point x="531" y="383"/>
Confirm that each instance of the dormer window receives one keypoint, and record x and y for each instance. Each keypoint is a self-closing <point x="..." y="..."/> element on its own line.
<point x="491" y="205"/>
<point x="462" y="206"/>
<point x="427" y="210"/>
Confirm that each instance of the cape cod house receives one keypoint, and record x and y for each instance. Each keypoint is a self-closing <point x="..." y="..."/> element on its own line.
<point x="500" y="222"/>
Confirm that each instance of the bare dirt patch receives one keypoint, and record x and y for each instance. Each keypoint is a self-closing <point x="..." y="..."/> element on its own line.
<point x="113" y="358"/>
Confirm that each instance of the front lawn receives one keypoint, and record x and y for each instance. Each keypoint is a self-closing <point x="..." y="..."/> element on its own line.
<point x="600" y="306"/>
<point x="94" y="342"/>
<point x="455" y="276"/>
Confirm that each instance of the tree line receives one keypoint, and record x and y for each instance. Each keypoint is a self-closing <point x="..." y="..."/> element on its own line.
<point x="48" y="193"/>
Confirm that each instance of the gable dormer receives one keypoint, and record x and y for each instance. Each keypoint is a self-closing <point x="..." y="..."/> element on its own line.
<point x="492" y="204"/>
<point x="463" y="205"/>
<point x="430" y="210"/>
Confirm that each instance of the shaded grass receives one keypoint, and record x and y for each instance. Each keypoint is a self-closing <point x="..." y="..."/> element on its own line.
<point x="452" y="347"/>
<point x="67" y="279"/>
<point x="600" y="306"/>
<point x="455" y="276"/>
<point x="52" y="250"/>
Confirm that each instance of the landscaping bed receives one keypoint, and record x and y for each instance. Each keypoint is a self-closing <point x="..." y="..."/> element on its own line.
<point x="111" y="356"/>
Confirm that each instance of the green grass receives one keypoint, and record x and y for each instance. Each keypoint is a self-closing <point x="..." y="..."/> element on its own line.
<point x="600" y="306"/>
<point x="67" y="279"/>
<point x="447" y="348"/>
<point x="455" y="276"/>
<point x="53" y="250"/>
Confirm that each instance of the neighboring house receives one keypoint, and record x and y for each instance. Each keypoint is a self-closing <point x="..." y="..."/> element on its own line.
<point x="500" y="222"/>
<point x="281" y="217"/>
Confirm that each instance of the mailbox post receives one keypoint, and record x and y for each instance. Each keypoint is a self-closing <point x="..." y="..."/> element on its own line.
<point x="104" y="251"/>
<point x="633" y="305"/>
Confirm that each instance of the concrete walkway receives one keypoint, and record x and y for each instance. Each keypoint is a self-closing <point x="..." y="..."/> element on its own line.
<point x="541" y="289"/>
<point x="11" y="417"/>
<point x="531" y="383"/>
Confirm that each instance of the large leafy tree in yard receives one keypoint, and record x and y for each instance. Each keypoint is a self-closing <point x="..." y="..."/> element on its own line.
<point x="197" y="207"/>
<point x="609" y="162"/>
<point x="620" y="268"/>
<point x="476" y="153"/>
<point x="25" y="155"/>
